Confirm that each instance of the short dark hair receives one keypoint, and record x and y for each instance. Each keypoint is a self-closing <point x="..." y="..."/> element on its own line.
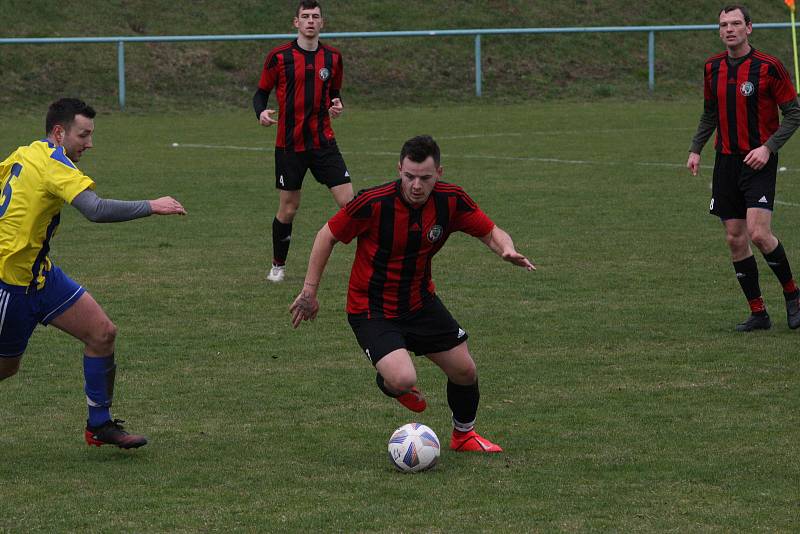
<point x="734" y="7"/>
<point x="420" y="148"/>
<point x="307" y="4"/>
<point x="63" y="112"/>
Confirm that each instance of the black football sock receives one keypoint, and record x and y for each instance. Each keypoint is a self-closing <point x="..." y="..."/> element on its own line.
<point x="779" y="264"/>
<point x="747" y="274"/>
<point x="463" y="401"/>
<point x="281" y="239"/>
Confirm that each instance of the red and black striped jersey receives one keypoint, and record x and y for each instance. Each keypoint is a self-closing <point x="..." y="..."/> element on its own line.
<point x="745" y="97"/>
<point x="306" y="82"/>
<point x="391" y="274"/>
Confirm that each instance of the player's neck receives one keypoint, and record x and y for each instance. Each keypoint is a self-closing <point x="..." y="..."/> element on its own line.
<point x="309" y="45"/>
<point x="739" y="51"/>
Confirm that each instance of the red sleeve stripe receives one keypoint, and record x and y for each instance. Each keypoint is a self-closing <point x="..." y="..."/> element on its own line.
<point x="774" y="62"/>
<point x="368" y="196"/>
<point x="458" y="191"/>
<point x="275" y="51"/>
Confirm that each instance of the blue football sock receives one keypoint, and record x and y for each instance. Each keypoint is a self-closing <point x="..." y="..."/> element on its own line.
<point x="99" y="376"/>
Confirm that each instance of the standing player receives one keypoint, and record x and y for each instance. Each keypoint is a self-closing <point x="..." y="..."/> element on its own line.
<point x="35" y="182"/>
<point x="308" y="78"/>
<point x="743" y="90"/>
<point x="392" y="306"/>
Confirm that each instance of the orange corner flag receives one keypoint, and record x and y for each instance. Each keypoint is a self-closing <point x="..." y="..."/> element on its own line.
<point x="789" y="3"/>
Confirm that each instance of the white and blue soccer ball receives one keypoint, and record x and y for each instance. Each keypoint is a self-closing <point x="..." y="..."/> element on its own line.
<point x="413" y="448"/>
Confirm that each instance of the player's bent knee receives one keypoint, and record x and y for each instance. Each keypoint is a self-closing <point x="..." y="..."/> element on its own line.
<point x="465" y="375"/>
<point x="103" y="338"/>
<point x="736" y="241"/>
<point x="762" y="239"/>
<point x="287" y="213"/>
<point x="402" y="381"/>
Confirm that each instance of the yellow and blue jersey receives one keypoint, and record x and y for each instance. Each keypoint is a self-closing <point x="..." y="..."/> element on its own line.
<point x="35" y="182"/>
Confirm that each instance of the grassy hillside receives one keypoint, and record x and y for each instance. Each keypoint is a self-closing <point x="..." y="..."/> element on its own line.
<point x="378" y="71"/>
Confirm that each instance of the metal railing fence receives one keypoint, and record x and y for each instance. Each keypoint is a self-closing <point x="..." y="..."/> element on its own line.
<point x="475" y="33"/>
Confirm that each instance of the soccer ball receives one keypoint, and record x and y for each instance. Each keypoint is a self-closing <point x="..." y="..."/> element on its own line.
<point x="413" y="448"/>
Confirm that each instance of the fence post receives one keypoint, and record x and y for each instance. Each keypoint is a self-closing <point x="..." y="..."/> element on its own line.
<point x="121" y="73"/>
<point x="651" y="60"/>
<point x="478" y="73"/>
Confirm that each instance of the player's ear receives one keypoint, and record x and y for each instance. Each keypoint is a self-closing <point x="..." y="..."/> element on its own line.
<point x="59" y="132"/>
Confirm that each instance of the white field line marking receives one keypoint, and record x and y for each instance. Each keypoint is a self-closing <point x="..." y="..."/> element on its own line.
<point x="465" y="156"/>
<point x="545" y="132"/>
<point x="477" y="156"/>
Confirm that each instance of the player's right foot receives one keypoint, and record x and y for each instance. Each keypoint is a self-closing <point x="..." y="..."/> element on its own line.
<point x="755" y="322"/>
<point x="413" y="400"/>
<point x="276" y="273"/>
<point x="112" y="433"/>
<point x="793" y="313"/>
<point x="472" y="442"/>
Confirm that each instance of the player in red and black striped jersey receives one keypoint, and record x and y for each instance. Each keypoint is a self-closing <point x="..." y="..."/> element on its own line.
<point x="392" y="305"/>
<point x="744" y="88"/>
<point x="307" y="77"/>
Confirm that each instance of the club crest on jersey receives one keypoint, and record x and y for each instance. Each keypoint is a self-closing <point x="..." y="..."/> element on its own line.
<point x="435" y="233"/>
<point x="324" y="74"/>
<point x="746" y="89"/>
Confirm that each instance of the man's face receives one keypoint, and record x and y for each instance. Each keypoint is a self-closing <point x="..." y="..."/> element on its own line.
<point x="732" y="28"/>
<point x="76" y="138"/>
<point x="417" y="180"/>
<point x="309" y="22"/>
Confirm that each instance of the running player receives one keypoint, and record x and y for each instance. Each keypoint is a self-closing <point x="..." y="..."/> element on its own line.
<point x="35" y="182"/>
<point x="392" y="305"/>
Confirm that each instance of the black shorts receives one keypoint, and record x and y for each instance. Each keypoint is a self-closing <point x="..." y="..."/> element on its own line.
<point x="429" y="330"/>
<point x="326" y="164"/>
<point x="737" y="187"/>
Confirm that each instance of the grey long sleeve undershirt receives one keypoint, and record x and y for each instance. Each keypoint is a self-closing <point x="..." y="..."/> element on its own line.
<point x="101" y="210"/>
<point x="790" y="123"/>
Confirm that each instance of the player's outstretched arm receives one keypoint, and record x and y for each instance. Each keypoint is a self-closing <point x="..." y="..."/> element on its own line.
<point x="306" y="305"/>
<point x="501" y="244"/>
<point x="103" y="210"/>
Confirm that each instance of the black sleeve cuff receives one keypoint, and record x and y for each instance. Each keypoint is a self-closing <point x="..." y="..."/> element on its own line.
<point x="260" y="100"/>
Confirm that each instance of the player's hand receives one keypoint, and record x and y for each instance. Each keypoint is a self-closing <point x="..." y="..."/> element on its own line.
<point x="336" y="108"/>
<point x="757" y="158"/>
<point x="166" y="206"/>
<point x="693" y="163"/>
<point x="304" y="308"/>
<point x="519" y="260"/>
<point x="265" y="119"/>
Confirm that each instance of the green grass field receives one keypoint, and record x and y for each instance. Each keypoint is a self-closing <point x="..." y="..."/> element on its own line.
<point x="611" y="375"/>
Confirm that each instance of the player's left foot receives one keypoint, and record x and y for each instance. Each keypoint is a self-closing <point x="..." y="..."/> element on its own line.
<point x="414" y="400"/>
<point x="793" y="313"/>
<point x="112" y="433"/>
<point x="472" y="442"/>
